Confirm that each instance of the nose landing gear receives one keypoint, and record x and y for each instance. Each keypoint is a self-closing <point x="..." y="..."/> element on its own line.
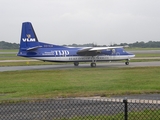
<point x="127" y="62"/>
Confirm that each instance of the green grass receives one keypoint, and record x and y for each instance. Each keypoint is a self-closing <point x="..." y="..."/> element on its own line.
<point x="140" y="115"/>
<point x="145" y="115"/>
<point x="79" y="82"/>
<point x="8" y="55"/>
<point x="8" y="50"/>
<point x="148" y="55"/>
<point x="100" y="117"/>
<point x="136" y="48"/>
<point x="143" y="60"/>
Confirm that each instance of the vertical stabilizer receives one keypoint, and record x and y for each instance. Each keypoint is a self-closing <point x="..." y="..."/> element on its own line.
<point x="28" y="37"/>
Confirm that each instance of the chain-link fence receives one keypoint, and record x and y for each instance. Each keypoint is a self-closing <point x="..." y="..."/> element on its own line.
<point x="79" y="109"/>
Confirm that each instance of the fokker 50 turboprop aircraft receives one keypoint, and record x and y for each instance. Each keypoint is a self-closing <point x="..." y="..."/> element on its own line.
<point x="30" y="47"/>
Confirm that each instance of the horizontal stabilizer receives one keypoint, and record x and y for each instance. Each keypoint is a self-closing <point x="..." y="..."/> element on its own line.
<point x="32" y="48"/>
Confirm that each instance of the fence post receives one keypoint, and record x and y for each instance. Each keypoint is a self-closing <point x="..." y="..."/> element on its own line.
<point x="125" y="109"/>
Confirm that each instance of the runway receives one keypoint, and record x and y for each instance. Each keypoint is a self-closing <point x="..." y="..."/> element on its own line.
<point x="86" y="65"/>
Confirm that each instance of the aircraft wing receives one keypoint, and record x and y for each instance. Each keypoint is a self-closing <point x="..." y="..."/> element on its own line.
<point x="93" y="51"/>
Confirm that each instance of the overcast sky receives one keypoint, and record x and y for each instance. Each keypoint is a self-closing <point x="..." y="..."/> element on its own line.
<point x="103" y="22"/>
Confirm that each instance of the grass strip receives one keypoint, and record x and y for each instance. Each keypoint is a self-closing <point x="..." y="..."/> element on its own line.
<point x="139" y="115"/>
<point x="79" y="82"/>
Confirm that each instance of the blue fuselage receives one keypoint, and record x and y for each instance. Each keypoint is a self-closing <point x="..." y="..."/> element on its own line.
<point x="49" y="52"/>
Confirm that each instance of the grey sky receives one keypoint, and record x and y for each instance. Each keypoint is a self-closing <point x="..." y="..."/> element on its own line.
<point x="82" y="21"/>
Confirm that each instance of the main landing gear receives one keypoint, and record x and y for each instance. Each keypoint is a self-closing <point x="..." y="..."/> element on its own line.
<point x="76" y="63"/>
<point x="93" y="63"/>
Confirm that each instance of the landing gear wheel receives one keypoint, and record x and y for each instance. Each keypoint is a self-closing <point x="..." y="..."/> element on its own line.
<point x="93" y="64"/>
<point x="127" y="63"/>
<point x="76" y="63"/>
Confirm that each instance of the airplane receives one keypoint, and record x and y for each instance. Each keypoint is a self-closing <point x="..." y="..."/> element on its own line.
<point x="30" y="47"/>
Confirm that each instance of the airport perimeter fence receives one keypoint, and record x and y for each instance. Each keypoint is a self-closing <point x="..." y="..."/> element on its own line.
<point x="79" y="109"/>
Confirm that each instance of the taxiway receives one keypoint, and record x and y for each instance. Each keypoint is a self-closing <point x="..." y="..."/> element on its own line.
<point x="87" y="65"/>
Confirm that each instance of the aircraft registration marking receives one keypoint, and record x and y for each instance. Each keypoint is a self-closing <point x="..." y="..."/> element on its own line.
<point x="57" y="52"/>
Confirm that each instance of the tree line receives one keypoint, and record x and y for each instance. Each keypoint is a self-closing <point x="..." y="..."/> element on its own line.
<point x="7" y="45"/>
<point x="150" y="44"/>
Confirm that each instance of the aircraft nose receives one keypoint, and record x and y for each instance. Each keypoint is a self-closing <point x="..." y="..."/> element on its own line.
<point x="131" y="54"/>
